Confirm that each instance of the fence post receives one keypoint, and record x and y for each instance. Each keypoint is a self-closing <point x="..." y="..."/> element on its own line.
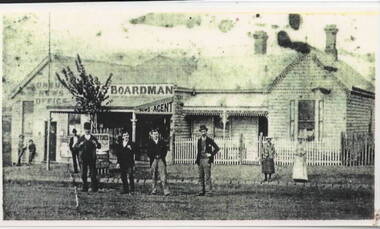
<point x="241" y="147"/>
<point x="343" y="148"/>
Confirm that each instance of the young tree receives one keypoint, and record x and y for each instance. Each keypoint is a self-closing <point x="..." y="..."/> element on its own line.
<point x="89" y="93"/>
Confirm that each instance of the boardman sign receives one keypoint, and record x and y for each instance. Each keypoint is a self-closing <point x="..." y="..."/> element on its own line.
<point x="137" y="90"/>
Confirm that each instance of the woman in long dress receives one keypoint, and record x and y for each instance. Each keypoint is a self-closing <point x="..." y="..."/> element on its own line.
<point x="267" y="163"/>
<point x="300" y="166"/>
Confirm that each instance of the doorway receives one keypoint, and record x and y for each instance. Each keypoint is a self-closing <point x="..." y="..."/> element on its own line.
<point x="144" y="124"/>
<point x="52" y="141"/>
<point x="263" y="125"/>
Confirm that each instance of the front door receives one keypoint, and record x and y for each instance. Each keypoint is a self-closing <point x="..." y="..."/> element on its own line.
<point x="52" y="141"/>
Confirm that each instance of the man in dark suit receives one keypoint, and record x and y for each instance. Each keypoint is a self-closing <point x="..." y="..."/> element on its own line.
<point x="125" y="152"/>
<point x="87" y="146"/>
<point x="207" y="149"/>
<point x="74" y="151"/>
<point x="157" y="151"/>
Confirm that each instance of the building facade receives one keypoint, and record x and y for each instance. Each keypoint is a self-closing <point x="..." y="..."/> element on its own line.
<point x="278" y="95"/>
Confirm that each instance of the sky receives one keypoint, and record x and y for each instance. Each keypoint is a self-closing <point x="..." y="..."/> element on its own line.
<point x="109" y="35"/>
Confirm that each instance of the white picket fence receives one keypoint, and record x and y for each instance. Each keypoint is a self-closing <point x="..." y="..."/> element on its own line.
<point x="326" y="152"/>
<point x="235" y="151"/>
<point x="232" y="151"/>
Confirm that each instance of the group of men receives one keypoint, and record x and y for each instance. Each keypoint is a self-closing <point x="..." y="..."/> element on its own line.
<point x="84" y="147"/>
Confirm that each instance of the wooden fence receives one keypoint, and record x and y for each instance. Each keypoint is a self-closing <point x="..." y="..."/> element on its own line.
<point x="233" y="151"/>
<point x="354" y="150"/>
<point x="358" y="149"/>
<point x="326" y="152"/>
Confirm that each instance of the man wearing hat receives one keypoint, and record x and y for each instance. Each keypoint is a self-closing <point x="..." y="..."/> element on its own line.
<point x="74" y="151"/>
<point x="21" y="149"/>
<point x="157" y="151"/>
<point x="88" y="145"/>
<point x="267" y="156"/>
<point x="207" y="149"/>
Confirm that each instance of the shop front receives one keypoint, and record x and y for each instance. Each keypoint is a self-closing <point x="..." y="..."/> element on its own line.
<point x="135" y="114"/>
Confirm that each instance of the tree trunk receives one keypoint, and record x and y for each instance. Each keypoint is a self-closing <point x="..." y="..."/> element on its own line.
<point x="94" y="122"/>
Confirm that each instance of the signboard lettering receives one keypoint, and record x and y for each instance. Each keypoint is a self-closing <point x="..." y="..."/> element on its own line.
<point x="162" y="107"/>
<point x="136" y="90"/>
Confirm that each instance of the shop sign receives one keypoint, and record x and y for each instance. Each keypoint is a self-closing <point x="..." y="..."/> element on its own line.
<point x="137" y="90"/>
<point x="53" y="93"/>
<point x="166" y="107"/>
<point x="104" y="140"/>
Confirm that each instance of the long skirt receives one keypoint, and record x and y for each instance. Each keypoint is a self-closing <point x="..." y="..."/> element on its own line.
<point x="300" y="169"/>
<point x="267" y="165"/>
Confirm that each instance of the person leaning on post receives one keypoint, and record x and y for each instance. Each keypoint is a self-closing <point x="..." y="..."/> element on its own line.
<point x="87" y="145"/>
<point x="207" y="149"/>
<point x="157" y="151"/>
<point x="125" y="152"/>
<point x="21" y="149"/>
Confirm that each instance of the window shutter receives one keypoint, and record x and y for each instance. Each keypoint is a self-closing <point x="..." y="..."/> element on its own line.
<point x="320" y="121"/>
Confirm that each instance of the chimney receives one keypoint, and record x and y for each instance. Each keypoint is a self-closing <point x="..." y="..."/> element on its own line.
<point x="331" y="32"/>
<point x="261" y="38"/>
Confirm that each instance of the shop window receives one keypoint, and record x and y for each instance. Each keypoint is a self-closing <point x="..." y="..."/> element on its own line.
<point x="306" y="119"/>
<point x="28" y="109"/>
<point x="73" y="122"/>
<point x="292" y="116"/>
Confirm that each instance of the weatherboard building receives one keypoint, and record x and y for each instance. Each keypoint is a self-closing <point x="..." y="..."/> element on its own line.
<point x="241" y="97"/>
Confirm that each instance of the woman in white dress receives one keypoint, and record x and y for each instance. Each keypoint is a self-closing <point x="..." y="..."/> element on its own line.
<point x="300" y="166"/>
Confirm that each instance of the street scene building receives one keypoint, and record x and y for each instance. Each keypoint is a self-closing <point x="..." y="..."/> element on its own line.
<point x="312" y="91"/>
<point x="237" y="115"/>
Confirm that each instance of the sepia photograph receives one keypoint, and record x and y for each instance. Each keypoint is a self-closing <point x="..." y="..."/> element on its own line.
<point x="173" y="113"/>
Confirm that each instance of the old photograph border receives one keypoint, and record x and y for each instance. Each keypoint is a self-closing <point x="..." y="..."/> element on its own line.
<point x="239" y="7"/>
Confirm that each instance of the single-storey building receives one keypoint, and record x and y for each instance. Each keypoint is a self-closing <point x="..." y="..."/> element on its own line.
<point x="273" y="94"/>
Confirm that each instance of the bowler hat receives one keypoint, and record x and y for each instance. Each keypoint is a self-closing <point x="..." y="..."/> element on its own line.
<point x="74" y="130"/>
<point x="203" y="127"/>
<point x="87" y="126"/>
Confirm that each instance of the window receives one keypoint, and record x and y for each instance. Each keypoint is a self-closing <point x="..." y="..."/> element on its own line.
<point x="306" y="119"/>
<point x="292" y="120"/>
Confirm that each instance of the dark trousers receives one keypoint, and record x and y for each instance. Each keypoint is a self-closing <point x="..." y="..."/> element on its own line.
<point x="75" y="155"/>
<point x="20" y="155"/>
<point x="89" y="163"/>
<point x="126" y="172"/>
<point x="31" y="156"/>
<point x="204" y="169"/>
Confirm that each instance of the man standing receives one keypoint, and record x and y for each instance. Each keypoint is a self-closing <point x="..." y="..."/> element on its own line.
<point x="32" y="151"/>
<point x="267" y="162"/>
<point x="21" y="149"/>
<point x="88" y="145"/>
<point x="207" y="149"/>
<point x="74" y="151"/>
<point x="125" y="152"/>
<point x="157" y="151"/>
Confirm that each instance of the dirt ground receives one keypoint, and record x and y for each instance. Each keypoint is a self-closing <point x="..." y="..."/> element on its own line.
<point x="36" y="201"/>
<point x="33" y="193"/>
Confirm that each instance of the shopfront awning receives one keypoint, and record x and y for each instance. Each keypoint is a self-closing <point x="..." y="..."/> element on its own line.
<point x="233" y="104"/>
<point x="139" y="104"/>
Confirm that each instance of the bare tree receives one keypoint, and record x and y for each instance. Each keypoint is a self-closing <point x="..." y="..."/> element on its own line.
<point x="90" y="94"/>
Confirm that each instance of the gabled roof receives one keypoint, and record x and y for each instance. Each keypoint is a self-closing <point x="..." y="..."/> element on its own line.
<point x="29" y="77"/>
<point x="346" y="76"/>
<point x="214" y="73"/>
